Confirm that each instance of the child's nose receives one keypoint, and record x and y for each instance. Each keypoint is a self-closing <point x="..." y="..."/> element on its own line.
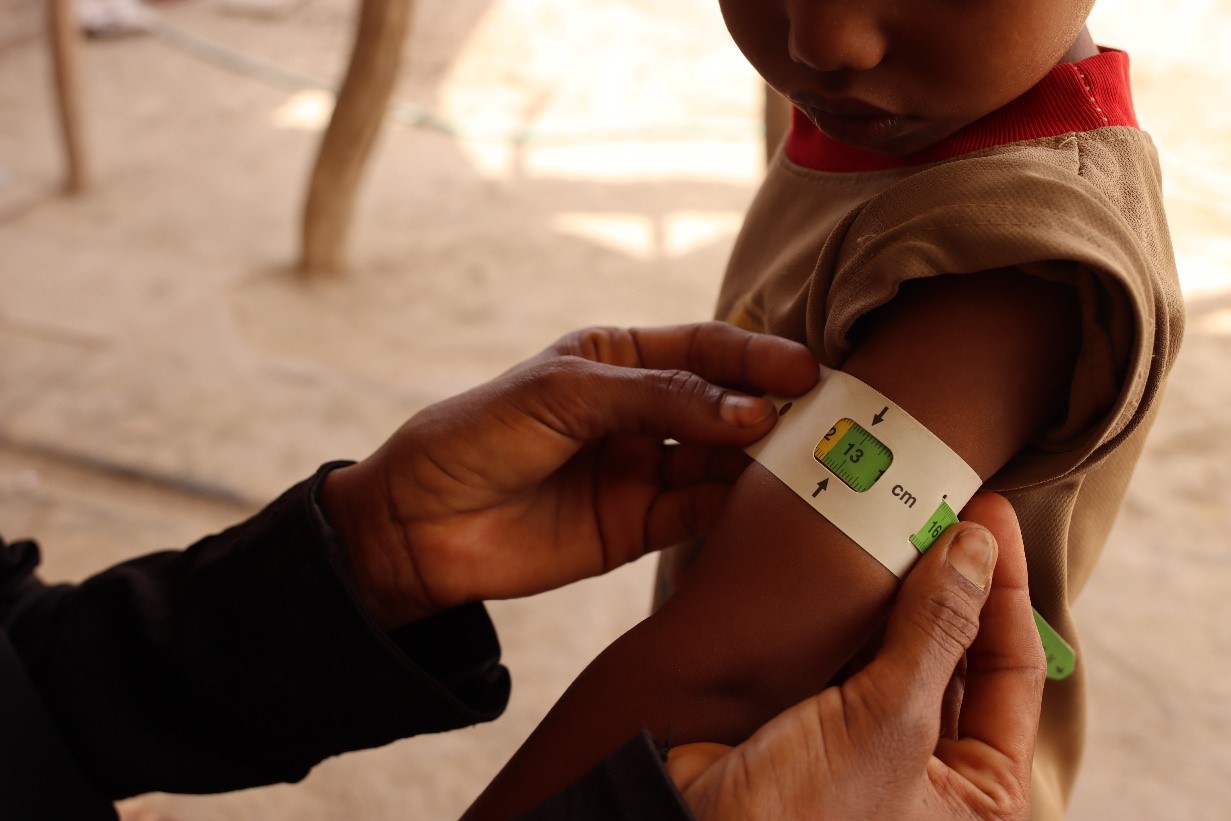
<point x="835" y="35"/>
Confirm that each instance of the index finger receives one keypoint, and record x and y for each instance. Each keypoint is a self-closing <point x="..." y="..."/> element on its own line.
<point x="717" y="351"/>
<point x="1005" y="665"/>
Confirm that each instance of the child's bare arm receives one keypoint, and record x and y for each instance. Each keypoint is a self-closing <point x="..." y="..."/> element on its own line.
<point x="779" y="599"/>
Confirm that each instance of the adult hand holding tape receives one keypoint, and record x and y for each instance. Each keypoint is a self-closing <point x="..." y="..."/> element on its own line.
<point x="913" y="734"/>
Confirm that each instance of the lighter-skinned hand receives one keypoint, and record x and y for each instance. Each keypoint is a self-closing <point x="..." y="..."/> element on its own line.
<point x="559" y="470"/>
<point x="928" y="729"/>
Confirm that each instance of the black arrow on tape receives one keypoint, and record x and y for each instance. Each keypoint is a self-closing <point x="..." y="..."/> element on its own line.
<point x="821" y="485"/>
<point x="880" y="417"/>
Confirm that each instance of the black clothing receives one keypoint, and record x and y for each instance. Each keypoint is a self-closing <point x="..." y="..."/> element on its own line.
<point x="244" y="660"/>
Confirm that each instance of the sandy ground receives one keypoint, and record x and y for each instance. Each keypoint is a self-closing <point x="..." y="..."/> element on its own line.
<point x="162" y="374"/>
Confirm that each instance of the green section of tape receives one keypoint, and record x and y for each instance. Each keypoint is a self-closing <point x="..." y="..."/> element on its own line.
<point x="855" y="456"/>
<point x="936" y="525"/>
<point x="1061" y="658"/>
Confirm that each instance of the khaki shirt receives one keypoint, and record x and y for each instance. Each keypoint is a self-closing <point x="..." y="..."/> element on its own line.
<point x="819" y="250"/>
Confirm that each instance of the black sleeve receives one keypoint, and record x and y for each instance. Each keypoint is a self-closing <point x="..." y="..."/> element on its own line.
<point x="631" y="783"/>
<point x="243" y="660"/>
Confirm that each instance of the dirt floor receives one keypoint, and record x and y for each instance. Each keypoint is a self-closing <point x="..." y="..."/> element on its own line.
<point x="162" y="372"/>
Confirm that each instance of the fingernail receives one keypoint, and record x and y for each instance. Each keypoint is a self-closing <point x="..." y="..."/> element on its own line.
<point x="973" y="554"/>
<point x="744" y="411"/>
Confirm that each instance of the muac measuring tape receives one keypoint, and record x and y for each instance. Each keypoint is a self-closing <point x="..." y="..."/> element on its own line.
<point x="879" y="476"/>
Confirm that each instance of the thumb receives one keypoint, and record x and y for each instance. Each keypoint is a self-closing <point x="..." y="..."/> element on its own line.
<point x="933" y="623"/>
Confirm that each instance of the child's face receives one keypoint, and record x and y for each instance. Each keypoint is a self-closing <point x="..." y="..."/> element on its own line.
<point x="896" y="76"/>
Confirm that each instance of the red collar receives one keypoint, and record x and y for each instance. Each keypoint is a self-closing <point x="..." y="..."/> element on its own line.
<point x="1081" y="96"/>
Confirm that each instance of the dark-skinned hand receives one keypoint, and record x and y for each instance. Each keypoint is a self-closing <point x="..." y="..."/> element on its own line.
<point x="559" y="469"/>
<point x="940" y="725"/>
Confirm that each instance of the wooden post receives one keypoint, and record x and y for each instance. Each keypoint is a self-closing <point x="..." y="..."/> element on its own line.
<point x="348" y="140"/>
<point x="65" y="39"/>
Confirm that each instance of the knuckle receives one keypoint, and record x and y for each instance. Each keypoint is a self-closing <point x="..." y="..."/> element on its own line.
<point x="945" y="615"/>
<point x="560" y="387"/>
<point x="1015" y="800"/>
<point x="707" y="344"/>
<point x="714" y="331"/>
<point x="1009" y="794"/>
<point x="1033" y="674"/>
<point x="556" y="374"/>
<point x="1035" y="660"/>
<point x="687" y="387"/>
<point x="569" y="344"/>
<point x="605" y="343"/>
<point x="1029" y="665"/>
<point x="575" y="342"/>
<point x="730" y="355"/>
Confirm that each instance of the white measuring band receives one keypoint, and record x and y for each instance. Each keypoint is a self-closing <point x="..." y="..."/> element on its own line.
<point x="923" y="475"/>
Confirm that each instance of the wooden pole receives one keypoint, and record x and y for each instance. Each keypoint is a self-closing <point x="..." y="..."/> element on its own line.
<point x="351" y="133"/>
<point x="65" y="40"/>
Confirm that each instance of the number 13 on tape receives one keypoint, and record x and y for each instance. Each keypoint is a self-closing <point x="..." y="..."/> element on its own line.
<point x="887" y="480"/>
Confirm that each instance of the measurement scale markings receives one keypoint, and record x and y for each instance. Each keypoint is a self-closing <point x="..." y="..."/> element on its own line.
<point x="853" y="455"/>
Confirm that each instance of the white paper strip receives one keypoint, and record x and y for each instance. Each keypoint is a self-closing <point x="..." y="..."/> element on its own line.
<point x="923" y="473"/>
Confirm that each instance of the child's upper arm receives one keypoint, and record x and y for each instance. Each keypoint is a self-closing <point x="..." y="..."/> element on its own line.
<point x="982" y="360"/>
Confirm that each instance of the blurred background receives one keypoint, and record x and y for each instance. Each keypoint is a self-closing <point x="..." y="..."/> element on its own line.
<point x="166" y="367"/>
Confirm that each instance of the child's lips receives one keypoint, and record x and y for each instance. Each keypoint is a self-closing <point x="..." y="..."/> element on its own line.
<point x="853" y="122"/>
<point x="840" y="106"/>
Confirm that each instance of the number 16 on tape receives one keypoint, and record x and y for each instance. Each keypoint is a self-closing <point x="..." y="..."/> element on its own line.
<point x="1061" y="658"/>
